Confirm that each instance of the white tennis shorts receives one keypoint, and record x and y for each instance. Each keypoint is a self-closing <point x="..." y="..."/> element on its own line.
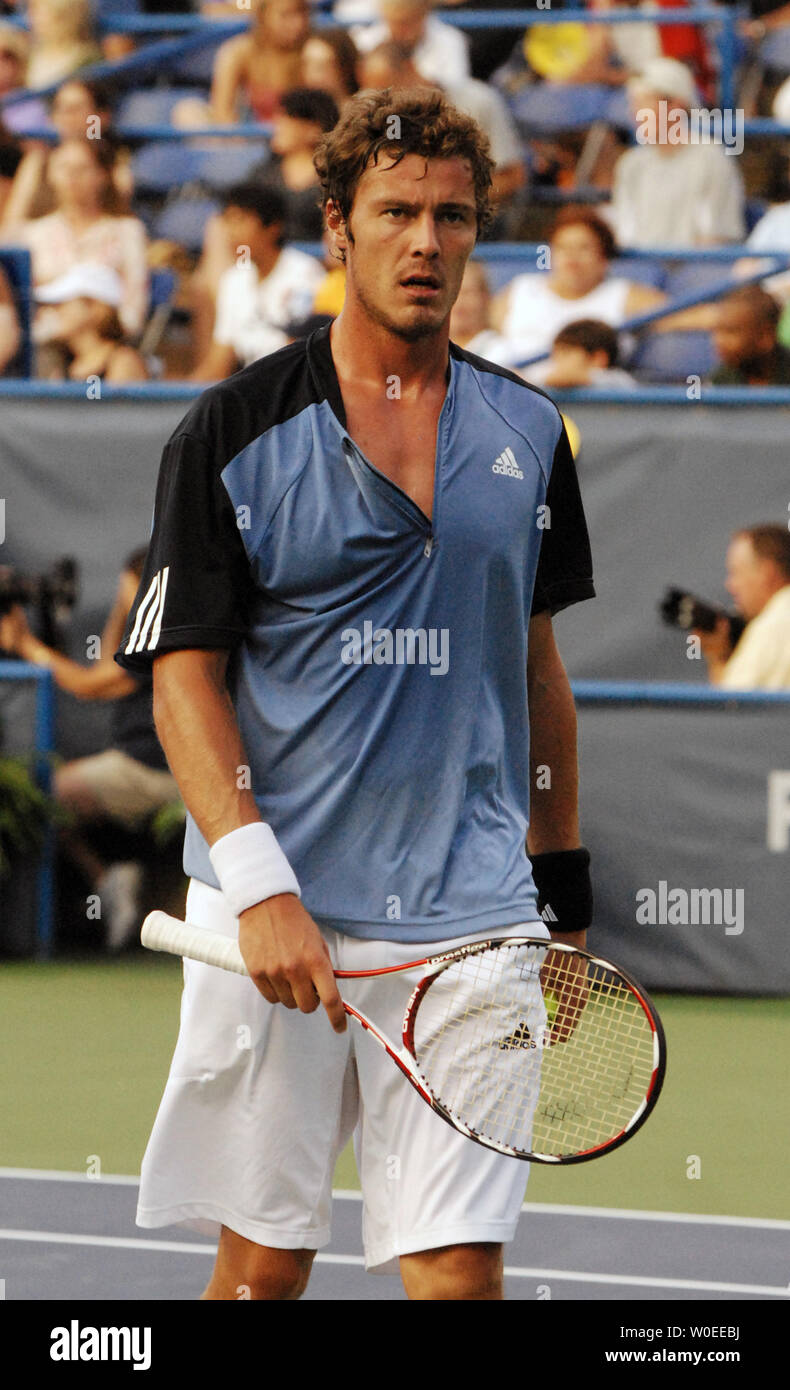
<point x="261" y="1100"/>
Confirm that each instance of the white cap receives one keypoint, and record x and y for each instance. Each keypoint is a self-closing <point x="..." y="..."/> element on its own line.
<point x="668" y="78"/>
<point x="97" y="282"/>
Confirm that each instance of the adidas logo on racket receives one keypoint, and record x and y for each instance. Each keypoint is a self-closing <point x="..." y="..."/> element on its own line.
<point x="507" y="464"/>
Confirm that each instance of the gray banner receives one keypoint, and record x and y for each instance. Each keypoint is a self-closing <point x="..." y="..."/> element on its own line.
<point x="697" y="800"/>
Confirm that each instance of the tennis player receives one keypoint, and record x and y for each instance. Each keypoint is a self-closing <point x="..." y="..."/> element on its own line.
<point x="358" y="545"/>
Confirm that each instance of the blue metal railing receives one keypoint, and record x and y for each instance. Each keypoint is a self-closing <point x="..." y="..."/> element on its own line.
<point x="44" y="746"/>
<point x="671" y="693"/>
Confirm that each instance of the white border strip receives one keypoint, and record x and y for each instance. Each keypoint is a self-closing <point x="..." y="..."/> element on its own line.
<point x="181" y="1247"/>
<point x="348" y="1194"/>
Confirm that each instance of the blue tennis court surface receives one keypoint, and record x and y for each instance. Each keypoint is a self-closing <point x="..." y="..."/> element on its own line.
<point x="64" y="1236"/>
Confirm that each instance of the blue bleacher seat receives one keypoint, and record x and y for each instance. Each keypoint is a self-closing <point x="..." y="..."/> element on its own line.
<point x="197" y="67"/>
<point x="150" y="107"/>
<point x="161" y="166"/>
<point x="618" y="109"/>
<point x="15" y="261"/>
<point x="775" y="51"/>
<point x="672" y="357"/>
<point x="221" y="167"/>
<point x="696" y="275"/>
<point x="650" y="272"/>
<point x="185" y="220"/>
<point x="547" y="107"/>
<point x="164" y="165"/>
<point x="500" y="270"/>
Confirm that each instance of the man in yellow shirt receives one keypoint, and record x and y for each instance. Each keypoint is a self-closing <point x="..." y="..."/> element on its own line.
<point x="758" y="577"/>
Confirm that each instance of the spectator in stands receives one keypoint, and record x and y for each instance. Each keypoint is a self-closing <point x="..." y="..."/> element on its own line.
<point x="584" y="353"/>
<point x="254" y="70"/>
<point x="78" y="111"/>
<point x="439" y="51"/>
<point x="673" y="194"/>
<point x="758" y="577"/>
<point x="86" y="227"/>
<point x="391" y="64"/>
<point x="298" y="126"/>
<point x="329" y="64"/>
<point x="10" y="333"/>
<point x="10" y="160"/>
<point x="613" y="53"/>
<point x="470" y="320"/>
<point x="63" y="40"/>
<point x="126" y="783"/>
<point x="14" y="57"/>
<point x="269" y="287"/>
<point x="88" y="328"/>
<point x="771" y="233"/>
<point x="20" y="116"/>
<point x="533" y="307"/>
<point x="303" y="116"/>
<point x="745" y="339"/>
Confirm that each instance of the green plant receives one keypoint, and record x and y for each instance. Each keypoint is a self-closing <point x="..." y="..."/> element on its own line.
<point x="26" y="812"/>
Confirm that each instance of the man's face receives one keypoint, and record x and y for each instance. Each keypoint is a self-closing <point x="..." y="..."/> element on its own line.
<point x="405" y="21"/>
<point x="738" y="336"/>
<point x="243" y="228"/>
<point x="286" y="23"/>
<point x="575" y="361"/>
<point x="414" y="226"/>
<point x="291" y="134"/>
<point x="751" y="578"/>
<point x="577" y="259"/>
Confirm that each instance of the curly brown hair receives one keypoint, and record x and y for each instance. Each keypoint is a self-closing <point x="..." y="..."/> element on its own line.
<point x="401" y="121"/>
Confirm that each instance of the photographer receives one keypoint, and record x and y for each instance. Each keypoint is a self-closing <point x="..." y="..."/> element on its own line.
<point x="129" y="780"/>
<point x="758" y="577"/>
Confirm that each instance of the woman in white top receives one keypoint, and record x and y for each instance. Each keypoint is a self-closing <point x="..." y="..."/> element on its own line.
<point x="532" y="309"/>
<point x="86" y="228"/>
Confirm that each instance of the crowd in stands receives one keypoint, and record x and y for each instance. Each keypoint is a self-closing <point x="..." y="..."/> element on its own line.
<point x="127" y="224"/>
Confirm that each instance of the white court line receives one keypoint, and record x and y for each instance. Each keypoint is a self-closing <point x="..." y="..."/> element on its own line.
<point x="181" y="1247"/>
<point x="348" y="1194"/>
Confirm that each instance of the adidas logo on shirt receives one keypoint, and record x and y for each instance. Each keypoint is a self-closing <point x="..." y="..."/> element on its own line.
<point x="506" y="463"/>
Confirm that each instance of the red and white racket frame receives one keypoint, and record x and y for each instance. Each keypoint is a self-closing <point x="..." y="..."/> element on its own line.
<point x="405" y="1058"/>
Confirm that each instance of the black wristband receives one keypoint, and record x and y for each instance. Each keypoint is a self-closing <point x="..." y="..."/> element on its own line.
<point x="565" y="896"/>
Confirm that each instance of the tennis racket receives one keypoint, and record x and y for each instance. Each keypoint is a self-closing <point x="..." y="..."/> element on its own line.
<point x="536" y="1049"/>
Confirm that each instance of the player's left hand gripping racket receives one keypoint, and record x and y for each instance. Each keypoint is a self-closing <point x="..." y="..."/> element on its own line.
<point x="530" y="1047"/>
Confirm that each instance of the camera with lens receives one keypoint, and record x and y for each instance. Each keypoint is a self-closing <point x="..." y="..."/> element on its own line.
<point x="53" y="595"/>
<point x="681" y="609"/>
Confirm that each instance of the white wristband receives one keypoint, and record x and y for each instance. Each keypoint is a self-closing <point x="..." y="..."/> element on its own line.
<point x="251" y="866"/>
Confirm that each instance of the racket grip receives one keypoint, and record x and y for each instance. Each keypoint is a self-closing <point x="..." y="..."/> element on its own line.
<point x="161" y="932"/>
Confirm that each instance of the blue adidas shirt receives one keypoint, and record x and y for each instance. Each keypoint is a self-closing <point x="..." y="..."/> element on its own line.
<point x="379" y="658"/>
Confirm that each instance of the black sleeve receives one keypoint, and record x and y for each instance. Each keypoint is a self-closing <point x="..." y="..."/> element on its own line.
<point x="564" y="574"/>
<point x="194" y="590"/>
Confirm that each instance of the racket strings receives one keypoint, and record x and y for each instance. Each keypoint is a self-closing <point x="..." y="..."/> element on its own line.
<point x="536" y="1050"/>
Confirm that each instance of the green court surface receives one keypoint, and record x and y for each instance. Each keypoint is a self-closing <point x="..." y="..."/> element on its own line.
<point x="86" y="1047"/>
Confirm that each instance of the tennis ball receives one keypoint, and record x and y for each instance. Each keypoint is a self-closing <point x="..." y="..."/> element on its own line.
<point x="552" y="1004"/>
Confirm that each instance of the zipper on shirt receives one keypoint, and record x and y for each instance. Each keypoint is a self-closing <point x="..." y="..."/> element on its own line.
<point x="428" y="547"/>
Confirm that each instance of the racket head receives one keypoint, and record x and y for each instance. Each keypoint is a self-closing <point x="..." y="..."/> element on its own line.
<point x="585" y="1048"/>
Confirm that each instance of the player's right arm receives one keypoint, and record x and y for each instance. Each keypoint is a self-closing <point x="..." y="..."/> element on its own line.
<point x="282" y="947"/>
